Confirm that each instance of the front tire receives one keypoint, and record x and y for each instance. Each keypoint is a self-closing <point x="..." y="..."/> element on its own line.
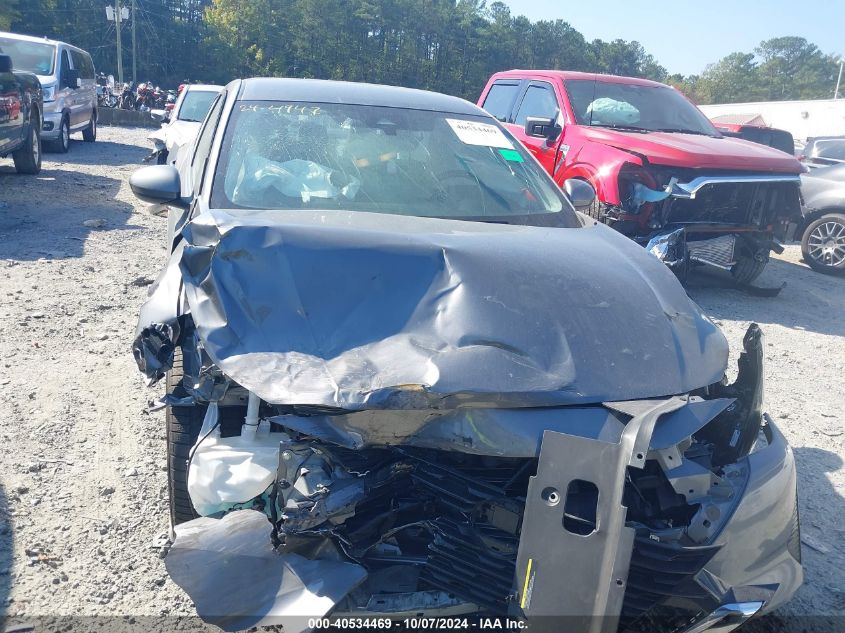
<point x="62" y="144"/>
<point x="89" y="134"/>
<point x="28" y="158"/>
<point x="823" y="244"/>
<point x="183" y="429"/>
<point x="747" y="269"/>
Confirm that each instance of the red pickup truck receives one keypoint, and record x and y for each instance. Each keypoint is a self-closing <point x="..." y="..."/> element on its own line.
<point x="662" y="173"/>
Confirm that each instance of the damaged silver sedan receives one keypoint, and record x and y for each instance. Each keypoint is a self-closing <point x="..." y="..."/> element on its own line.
<point x="407" y="379"/>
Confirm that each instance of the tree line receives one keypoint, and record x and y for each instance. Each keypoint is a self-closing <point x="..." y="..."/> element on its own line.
<point x="450" y="46"/>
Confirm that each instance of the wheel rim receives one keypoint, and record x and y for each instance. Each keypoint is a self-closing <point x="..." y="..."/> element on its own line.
<point x="826" y="243"/>
<point x="36" y="147"/>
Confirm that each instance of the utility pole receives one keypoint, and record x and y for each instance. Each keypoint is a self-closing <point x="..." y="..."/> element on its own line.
<point x="839" y="79"/>
<point x="117" y="22"/>
<point x="134" y="64"/>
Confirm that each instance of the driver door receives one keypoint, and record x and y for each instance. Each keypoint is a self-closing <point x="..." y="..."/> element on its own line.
<point x="538" y="99"/>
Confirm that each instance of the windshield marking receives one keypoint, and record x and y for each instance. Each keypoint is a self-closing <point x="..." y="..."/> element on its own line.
<point x="475" y="133"/>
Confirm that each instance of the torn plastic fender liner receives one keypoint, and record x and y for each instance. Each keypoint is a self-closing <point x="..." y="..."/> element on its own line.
<point x="737" y="428"/>
<point x="237" y="580"/>
<point x="567" y="573"/>
<point x="432" y="313"/>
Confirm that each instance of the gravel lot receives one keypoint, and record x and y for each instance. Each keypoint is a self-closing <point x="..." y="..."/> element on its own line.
<point x="82" y="475"/>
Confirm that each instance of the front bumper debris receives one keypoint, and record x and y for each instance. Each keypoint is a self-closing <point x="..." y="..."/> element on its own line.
<point x="359" y="517"/>
<point x="237" y="581"/>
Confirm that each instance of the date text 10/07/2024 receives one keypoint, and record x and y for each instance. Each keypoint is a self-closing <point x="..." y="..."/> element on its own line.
<point x="415" y="624"/>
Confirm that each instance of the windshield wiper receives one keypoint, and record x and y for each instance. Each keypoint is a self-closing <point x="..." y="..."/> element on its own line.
<point x="677" y="130"/>
<point x="622" y="128"/>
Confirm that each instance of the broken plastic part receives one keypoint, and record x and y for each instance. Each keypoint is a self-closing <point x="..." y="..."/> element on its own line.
<point x="734" y="431"/>
<point x="237" y="581"/>
<point x="642" y="194"/>
<point x="153" y="350"/>
<point x="670" y="247"/>
<point x="593" y="566"/>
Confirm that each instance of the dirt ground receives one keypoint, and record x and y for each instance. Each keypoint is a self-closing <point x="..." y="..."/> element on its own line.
<point x="82" y="472"/>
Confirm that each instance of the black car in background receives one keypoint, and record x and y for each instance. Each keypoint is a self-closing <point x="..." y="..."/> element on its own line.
<point x="823" y="234"/>
<point x="20" y="117"/>
<point x="821" y="151"/>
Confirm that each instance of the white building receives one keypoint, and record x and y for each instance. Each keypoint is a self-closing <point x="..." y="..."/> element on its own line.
<point x="803" y="119"/>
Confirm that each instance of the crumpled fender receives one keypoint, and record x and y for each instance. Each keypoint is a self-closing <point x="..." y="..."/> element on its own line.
<point x="599" y="165"/>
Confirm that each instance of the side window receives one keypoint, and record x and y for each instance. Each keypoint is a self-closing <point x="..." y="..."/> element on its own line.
<point x="539" y="101"/>
<point x="203" y="146"/>
<point x="87" y="66"/>
<point x="82" y="64"/>
<point x="499" y="100"/>
<point x="65" y="67"/>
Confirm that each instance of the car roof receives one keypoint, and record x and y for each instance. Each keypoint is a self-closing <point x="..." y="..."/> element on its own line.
<point x="573" y="74"/>
<point x="347" y="92"/>
<point x="825" y="138"/>
<point x="40" y="40"/>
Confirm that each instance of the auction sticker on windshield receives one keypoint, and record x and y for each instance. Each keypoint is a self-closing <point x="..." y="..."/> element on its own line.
<point x="475" y="133"/>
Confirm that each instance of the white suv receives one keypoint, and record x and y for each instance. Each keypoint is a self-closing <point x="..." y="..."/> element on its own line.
<point x="67" y="76"/>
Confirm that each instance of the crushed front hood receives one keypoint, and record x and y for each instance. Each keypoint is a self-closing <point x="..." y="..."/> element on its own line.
<point x="359" y="310"/>
<point x="697" y="151"/>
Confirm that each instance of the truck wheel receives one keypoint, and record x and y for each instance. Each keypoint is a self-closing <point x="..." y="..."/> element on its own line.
<point x="747" y="269"/>
<point x="823" y="244"/>
<point x="62" y="144"/>
<point x="89" y="134"/>
<point x="28" y="158"/>
<point x="183" y="429"/>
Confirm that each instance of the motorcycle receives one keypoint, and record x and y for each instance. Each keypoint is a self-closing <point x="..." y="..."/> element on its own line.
<point x="158" y="97"/>
<point x="105" y="91"/>
<point x="144" y="99"/>
<point x="126" y="101"/>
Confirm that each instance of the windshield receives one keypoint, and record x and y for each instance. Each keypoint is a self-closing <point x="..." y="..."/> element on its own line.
<point x="635" y="107"/>
<point x="195" y="105"/>
<point x="379" y="159"/>
<point x="32" y="57"/>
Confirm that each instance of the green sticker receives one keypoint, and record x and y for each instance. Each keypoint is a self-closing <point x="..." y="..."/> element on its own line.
<point x="511" y="155"/>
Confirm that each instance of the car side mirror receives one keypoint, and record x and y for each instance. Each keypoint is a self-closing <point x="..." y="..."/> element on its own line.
<point x="5" y="64"/>
<point x="580" y="193"/>
<point x="542" y="127"/>
<point x="158" y="184"/>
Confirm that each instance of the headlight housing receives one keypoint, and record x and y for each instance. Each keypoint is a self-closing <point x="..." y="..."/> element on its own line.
<point x="633" y="179"/>
<point x="49" y="93"/>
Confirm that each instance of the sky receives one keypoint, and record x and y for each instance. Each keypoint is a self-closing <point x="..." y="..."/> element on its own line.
<point x="684" y="36"/>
